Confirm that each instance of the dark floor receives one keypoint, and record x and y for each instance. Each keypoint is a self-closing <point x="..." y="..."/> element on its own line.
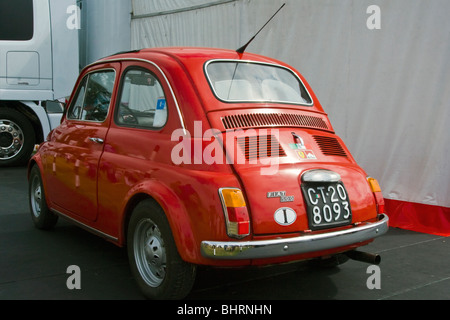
<point x="33" y="265"/>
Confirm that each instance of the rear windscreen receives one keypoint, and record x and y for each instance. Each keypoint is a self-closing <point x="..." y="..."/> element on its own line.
<point x="241" y="81"/>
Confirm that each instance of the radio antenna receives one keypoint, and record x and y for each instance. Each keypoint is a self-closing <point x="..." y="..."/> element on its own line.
<point x="242" y="49"/>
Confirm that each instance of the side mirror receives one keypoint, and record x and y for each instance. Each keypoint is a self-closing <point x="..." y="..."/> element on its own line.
<point x="54" y="106"/>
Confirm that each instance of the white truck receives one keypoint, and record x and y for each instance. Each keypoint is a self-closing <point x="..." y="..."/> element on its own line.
<point x="43" y="46"/>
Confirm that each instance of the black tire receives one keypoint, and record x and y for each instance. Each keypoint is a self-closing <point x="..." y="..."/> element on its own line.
<point x="17" y="138"/>
<point x="42" y="217"/>
<point x="154" y="259"/>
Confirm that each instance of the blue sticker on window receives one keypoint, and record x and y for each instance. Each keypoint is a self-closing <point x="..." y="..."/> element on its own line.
<point x="161" y="104"/>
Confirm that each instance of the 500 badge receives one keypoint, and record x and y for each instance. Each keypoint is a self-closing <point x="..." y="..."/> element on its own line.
<point x="327" y="205"/>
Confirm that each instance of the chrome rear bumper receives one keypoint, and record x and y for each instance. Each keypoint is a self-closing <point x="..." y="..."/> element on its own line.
<point x="240" y="250"/>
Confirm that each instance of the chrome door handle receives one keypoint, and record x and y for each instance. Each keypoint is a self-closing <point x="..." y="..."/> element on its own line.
<point x="97" y="140"/>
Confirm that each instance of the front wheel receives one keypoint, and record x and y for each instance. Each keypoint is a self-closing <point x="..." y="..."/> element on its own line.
<point x="41" y="215"/>
<point x="154" y="259"/>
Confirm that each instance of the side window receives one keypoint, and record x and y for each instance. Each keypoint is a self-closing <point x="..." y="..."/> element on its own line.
<point x="16" y="20"/>
<point x="93" y="98"/>
<point x="75" y="108"/>
<point x="142" y="100"/>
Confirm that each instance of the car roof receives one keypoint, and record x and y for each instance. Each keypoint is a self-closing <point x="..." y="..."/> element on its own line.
<point x="192" y="60"/>
<point x="184" y="54"/>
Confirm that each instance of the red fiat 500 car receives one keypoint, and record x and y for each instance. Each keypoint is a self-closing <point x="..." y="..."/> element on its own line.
<point x="192" y="156"/>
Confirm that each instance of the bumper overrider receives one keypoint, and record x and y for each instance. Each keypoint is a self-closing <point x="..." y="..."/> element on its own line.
<point x="239" y="250"/>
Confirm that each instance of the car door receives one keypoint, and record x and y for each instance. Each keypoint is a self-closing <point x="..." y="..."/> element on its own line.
<point x="138" y="146"/>
<point x="78" y="143"/>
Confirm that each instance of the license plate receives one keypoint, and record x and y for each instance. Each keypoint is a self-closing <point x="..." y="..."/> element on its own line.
<point x="327" y="205"/>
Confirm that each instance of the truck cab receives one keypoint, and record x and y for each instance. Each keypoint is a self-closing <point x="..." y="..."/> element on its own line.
<point x="43" y="46"/>
<point x="31" y="73"/>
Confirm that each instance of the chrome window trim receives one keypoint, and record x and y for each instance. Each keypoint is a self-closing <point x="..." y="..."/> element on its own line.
<point x="257" y="101"/>
<point x="177" y="106"/>
<point x="84" y="95"/>
<point x="120" y="95"/>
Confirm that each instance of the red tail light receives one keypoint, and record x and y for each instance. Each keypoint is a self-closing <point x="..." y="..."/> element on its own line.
<point x="235" y="211"/>
<point x="375" y="187"/>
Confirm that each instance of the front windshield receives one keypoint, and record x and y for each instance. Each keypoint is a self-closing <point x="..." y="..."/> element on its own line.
<point x="242" y="81"/>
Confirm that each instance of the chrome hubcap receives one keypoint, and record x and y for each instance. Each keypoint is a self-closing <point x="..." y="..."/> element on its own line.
<point x="36" y="197"/>
<point x="150" y="253"/>
<point x="11" y="139"/>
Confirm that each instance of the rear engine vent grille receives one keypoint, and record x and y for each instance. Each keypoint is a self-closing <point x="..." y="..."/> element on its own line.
<point x="330" y="146"/>
<point x="273" y="119"/>
<point x="257" y="147"/>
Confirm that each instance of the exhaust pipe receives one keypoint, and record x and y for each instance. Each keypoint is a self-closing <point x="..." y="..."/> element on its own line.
<point x="364" y="257"/>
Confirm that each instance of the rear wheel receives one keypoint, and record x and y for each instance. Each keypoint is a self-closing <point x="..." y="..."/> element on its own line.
<point x="42" y="217"/>
<point x="154" y="260"/>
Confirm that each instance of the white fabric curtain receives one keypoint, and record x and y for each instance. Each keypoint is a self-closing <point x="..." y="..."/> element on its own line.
<point x="387" y="90"/>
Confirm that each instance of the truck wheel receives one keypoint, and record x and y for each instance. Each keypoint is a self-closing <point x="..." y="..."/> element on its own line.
<point x="154" y="259"/>
<point x="42" y="217"/>
<point x="17" y="138"/>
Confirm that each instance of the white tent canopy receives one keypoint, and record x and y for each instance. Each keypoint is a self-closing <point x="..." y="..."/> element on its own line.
<point x="386" y="89"/>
